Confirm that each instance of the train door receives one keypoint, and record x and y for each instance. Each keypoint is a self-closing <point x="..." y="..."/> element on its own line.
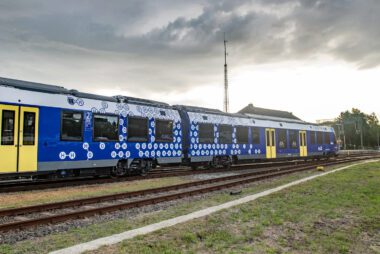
<point x="270" y="140"/>
<point x="18" y="139"/>
<point x="28" y="139"/>
<point x="9" y="136"/>
<point x="303" y="144"/>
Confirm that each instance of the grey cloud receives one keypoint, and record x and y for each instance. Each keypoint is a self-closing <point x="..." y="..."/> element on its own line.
<point x="176" y="45"/>
<point x="345" y="29"/>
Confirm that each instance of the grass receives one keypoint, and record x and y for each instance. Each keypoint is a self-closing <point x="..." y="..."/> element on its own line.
<point x="299" y="219"/>
<point x="339" y="213"/>
<point x="12" y="200"/>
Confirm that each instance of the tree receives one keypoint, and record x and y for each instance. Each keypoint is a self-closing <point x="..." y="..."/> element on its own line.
<point x="358" y="127"/>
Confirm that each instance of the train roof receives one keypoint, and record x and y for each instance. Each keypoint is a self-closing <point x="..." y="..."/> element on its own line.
<point x="208" y="111"/>
<point x="270" y="117"/>
<point x="248" y="112"/>
<point x="54" y="89"/>
<point x="201" y="114"/>
<point x="242" y="115"/>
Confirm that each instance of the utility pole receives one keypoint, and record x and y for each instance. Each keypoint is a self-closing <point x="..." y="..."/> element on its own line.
<point x="226" y="100"/>
<point x="360" y="129"/>
<point x="344" y="136"/>
<point x="341" y="132"/>
<point x="361" y="133"/>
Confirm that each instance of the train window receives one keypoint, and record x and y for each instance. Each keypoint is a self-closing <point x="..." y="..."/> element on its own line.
<point x="293" y="139"/>
<point x="242" y="135"/>
<point x="164" y="131"/>
<point x="326" y="138"/>
<point x="106" y="128"/>
<point x="71" y="126"/>
<point x="267" y="134"/>
<point x="319" y="138"/>
<point x="225" y="134"/>
<point x="282" y="139"/>
<point x="206" y="133"/>
<point x="312" y="138"/>
<point x="137" y="129"/>
<point x="8" y="128"/>
<point x="334" y="139"/>
<point x="255" y="135"/>
<point x="28" y="133"/>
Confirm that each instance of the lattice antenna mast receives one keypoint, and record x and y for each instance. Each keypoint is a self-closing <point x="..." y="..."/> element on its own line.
<point x="226" y="99"/>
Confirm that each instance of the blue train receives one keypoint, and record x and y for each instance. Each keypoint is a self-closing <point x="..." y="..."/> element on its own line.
<point x="50" y="130"/>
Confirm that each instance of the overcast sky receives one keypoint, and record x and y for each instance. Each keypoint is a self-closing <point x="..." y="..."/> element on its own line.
<point x="314" y="58"/>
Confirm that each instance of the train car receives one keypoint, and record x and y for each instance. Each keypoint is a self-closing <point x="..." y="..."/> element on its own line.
<point x="48" y="129"/>
<point x="214" y="138"/>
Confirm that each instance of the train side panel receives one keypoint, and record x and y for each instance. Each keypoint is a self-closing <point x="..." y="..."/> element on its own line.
<point x="273" y="139"/>
<point x="54" y="153"/>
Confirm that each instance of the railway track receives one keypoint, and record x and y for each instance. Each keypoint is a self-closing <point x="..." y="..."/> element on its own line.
<point x="29" y="185"/>
<point x="55" y="213"/>
<point x="19" y="186"/>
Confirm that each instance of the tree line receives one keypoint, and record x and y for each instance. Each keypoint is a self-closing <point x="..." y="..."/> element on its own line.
<point x="355" y="129"/>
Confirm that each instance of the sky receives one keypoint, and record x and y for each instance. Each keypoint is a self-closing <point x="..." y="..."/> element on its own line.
<point x="315" y="58"/>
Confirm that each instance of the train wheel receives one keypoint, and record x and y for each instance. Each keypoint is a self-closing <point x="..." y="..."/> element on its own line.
<point x="227" y="165"/>
<point x="120" y="170"/>
<point x="207" y="165"/>
<point x="146" y="166"/>
<point x="143" y="172"/>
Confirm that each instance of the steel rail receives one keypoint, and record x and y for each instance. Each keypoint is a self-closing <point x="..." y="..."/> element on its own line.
<point x="111" y="197"/>
<point x="53" y="184"/>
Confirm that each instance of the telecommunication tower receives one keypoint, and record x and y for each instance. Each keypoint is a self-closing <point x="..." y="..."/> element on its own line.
<point x="226" y="99"/>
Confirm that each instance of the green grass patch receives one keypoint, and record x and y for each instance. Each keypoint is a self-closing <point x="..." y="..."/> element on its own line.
<point x="13" y="200"/>
<point x="335" y="210"/>
<point x="338" y="213"/>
